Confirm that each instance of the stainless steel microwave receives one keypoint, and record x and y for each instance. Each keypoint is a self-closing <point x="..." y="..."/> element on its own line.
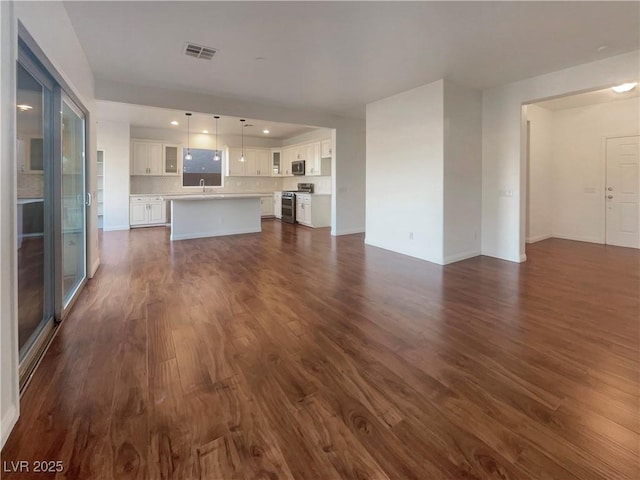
<point x="297" y="167"/>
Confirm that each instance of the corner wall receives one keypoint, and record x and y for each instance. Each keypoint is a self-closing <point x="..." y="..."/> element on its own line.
<point x="462" y="172"/>
<point x="404" y="188"/>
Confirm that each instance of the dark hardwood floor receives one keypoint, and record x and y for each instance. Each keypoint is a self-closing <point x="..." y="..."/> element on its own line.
<point x="294" y="355"/>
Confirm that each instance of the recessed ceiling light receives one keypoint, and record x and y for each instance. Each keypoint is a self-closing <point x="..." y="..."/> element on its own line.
<point x="625" y="87"/>
<point x="265" y="131"/>
<point x="174" y="123"/>
<point x="205" y="131"/>
<point x="24" y="108"/>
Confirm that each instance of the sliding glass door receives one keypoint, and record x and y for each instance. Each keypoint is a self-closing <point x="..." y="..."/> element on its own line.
<point x="34" y="204"/>
<point x="50" y="205"/>
<point x="74" y="223"/>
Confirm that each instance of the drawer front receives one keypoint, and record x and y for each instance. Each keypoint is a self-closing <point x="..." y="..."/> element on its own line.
<point x="140" y="199"/>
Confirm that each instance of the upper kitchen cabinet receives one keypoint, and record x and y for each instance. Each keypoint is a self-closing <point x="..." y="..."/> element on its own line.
<point x="276" y="163"/>
<point x="146" y="158"/>
<point x="257" y="162"/>
<point x="30" y="155"/>
<point x="288" y="156"/>
<point x="315" y="165"/>
<point x="171" y="159"/>
<point x="235" y="167"/>
<point x="326" y="150"/>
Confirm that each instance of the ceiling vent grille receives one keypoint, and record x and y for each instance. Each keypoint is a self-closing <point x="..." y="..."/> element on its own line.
<point x="199" y="51"/>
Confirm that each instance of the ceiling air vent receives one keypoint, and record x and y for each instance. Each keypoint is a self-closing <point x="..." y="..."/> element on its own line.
<point x="198" y="51"/>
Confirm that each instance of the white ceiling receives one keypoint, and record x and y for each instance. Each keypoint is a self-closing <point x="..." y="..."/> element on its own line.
<point x="153" y="117"/>
<point x="588" y="98"/>
<point x="338" y="56"/>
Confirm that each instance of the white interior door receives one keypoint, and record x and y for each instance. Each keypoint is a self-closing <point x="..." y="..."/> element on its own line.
<point x="622" y="194"/>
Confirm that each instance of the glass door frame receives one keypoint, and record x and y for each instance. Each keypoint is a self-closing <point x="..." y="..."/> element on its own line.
<point x="35" y="345"/>
<point x="62" y="96"/>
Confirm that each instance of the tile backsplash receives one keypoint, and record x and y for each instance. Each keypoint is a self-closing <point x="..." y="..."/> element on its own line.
<point x="160" y="185"/>
<point x="30" y="185"/>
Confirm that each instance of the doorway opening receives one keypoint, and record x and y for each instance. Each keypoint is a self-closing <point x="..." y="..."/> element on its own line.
<point x="583" y="179"/>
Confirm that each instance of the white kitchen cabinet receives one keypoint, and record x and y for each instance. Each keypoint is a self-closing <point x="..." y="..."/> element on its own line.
<point x="146" y="158"/>
<point x="257" y="162"/>
<point x="263" y="163"/>
<point x="326" y="150"/>
<point x="313" y="210"/>
<point x="235" y="168"/>
<point x="171" y="159"/>
<point x="277" y="204"/>
<point x="314" y="164"/>
<point x="288" y="156"/>
<point x="276" y="163"/>
<point x="147" y="210"/>
<point x="266" y="206"/>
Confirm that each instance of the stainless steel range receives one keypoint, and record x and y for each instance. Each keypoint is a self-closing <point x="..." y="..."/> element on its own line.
<point x="289" y="201"/>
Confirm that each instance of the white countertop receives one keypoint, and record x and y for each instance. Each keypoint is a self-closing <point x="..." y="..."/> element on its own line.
<point x="214" y="196"/>
<point x="24" y="201"/>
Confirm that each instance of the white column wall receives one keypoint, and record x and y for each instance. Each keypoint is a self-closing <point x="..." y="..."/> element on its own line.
<point x="9" y="393"/>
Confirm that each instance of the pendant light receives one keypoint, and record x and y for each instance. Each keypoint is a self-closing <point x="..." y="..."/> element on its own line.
<point x="216" y="157"/>
<point x="188" y="156"/>
<point x="242" y="156"/>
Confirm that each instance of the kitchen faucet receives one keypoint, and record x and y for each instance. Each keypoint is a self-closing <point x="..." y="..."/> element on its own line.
<point x="202" y="184"/>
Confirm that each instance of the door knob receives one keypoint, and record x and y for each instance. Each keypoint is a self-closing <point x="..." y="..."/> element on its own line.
<point x="610" y="189"/>
<point x="609" y="197"/>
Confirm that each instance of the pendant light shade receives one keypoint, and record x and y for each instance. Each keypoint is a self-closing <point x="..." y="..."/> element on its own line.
<point x="216" y="156"/>
<point x="188" y="156"/>
<point x="242" y="120"/>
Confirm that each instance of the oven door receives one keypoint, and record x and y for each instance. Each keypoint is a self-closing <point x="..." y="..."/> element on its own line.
<point x="289" y="209"/>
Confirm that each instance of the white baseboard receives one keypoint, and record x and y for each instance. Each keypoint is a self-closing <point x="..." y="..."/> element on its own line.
<point x="459" y="256"/>
<point x="523" y="257"/>
<point x="9" y="420"/>
<point x="539" y="238"/>
<point x="116" y="228"/>
<point x="578" y="238"/>
<point x="518" y="259"/>
<point x="189" y="236"/>
<point x="408" y="254"/>
<point x="347" y="231"/>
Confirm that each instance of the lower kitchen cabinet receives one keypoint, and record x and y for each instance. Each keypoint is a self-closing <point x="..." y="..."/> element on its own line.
<point x="266" y="206"/>
<point x="145" y="211"/>
<point x="313" y="210"/>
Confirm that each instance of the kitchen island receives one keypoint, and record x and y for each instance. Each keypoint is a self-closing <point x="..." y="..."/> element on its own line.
<point x="214" y="215"/>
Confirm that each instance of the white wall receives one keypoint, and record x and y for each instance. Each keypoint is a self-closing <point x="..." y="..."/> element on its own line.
<point x="568" y="167"/>
<point x="348" y="200"/>
<point x="404" y="188"/>
<point x="579" y="165"/>
<point x="462" y="172"/>
<point x="540" y="193"/>
<point x="49" y="25"/>
<point x="503" y="158"/>
<point x="9" y="395"/>
<point x="113" y="138"/>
